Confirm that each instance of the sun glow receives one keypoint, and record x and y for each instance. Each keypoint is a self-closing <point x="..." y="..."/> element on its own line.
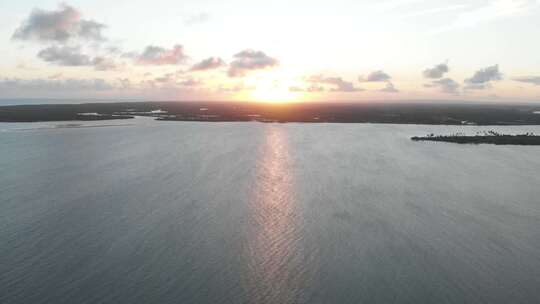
<point x="272" y="89"/>
<point x="273" y="95"/>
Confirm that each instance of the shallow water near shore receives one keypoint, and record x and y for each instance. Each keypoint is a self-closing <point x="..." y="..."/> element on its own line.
<point x="190" y="212"/>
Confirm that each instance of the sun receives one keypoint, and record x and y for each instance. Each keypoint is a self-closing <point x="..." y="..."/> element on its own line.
<point x="272" y="90"/>
<point x="273" y="95"/>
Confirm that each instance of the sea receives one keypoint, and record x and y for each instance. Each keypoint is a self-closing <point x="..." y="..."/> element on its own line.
<point x="144" y="211"/>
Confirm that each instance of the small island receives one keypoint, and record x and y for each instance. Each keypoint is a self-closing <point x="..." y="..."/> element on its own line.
<point x="489" y="137"/>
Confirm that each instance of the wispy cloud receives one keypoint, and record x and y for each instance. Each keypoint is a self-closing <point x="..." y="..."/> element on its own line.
<point x="445" y="85"/>
<point x="490" y="12"/>
<point x="436" y="10"/>
<point x="390" y="5"/>
<point x="197" y="19"/>
<point x="528" y="79"/>
<point x="56" y="84"/>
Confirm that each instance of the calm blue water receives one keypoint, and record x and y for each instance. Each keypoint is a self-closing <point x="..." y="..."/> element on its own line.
<point x="142" y="211"/>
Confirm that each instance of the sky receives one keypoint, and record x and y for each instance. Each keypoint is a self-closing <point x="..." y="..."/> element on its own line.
<point x="271" y="51"/>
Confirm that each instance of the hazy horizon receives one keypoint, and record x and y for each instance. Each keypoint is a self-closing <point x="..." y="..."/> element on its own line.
<point x="52" y="101"/>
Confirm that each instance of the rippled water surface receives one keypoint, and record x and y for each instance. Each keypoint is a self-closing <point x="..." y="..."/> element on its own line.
<point x="175" y="212"/>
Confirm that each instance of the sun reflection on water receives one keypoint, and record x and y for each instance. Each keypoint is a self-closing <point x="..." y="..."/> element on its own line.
<point x="275" y="252"/>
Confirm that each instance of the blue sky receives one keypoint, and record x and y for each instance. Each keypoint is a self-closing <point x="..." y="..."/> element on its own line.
<point x="271" y="51"/>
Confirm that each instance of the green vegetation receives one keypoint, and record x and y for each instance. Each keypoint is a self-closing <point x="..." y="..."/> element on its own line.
<point x="488" y="137"/>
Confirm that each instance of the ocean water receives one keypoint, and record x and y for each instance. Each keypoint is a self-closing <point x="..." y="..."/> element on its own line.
<point x="143" y="211"/>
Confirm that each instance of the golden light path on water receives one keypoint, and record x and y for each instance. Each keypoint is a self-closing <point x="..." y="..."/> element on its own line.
<point x="277" y="268"/>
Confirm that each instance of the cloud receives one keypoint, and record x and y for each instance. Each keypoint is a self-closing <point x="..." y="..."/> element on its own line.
<point x="310" y="89"/>
<point x="24" y="66"/>
<point x="64" y="56"/>
<point x="56" y="76"/>
<point x="54" y="85"/>
<point x="208" y="64"/>
<point x="250" y="60"/>
<point x="436" y="10"/>
<point x="492" y="11"/>
<point x="156" y="55"/>
<point x="390" y="88"/>
<point x="375" y="76"/>
<point x="190" y="82"/>
<point x="339" y="85"/>
<point x="445" y="85"/>
<point x="72" y="56"/>
<point x="104" y="64"/>
<point x="197" y="19"/>
<point x="479" y="86"/>
<point x="171" y="80"/>
<point x="234" y="88"/>
<point x="482" y="78"/>
<point x="124" y="83"/>
<point x="91" y="30"/>
<point x="59" y="26"/>
<point x="386" y="6"/>
<point x="169" y="77"/>
<point x="528" y="79"/>
<point x="437" y="71"/>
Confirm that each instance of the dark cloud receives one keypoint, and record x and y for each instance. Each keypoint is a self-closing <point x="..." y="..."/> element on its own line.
<point x="250" y="60"/>
<point x="445" y="85"/>
<point x="482" y="78"/>
<point x="528" y="79"/>
<point x="156" y="55"/>
<point x="208" y="64"/>
<point x="59" y="26"/>
<point x="375" y="76"/>
<point x="64" y="56"/>
<point x="337" y="83"/>
<point x="437" y="71"/>
<point x="389" y="88"/>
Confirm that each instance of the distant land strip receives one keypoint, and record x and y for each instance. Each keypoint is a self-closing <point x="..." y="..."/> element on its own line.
<point x="324" y="112"/>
